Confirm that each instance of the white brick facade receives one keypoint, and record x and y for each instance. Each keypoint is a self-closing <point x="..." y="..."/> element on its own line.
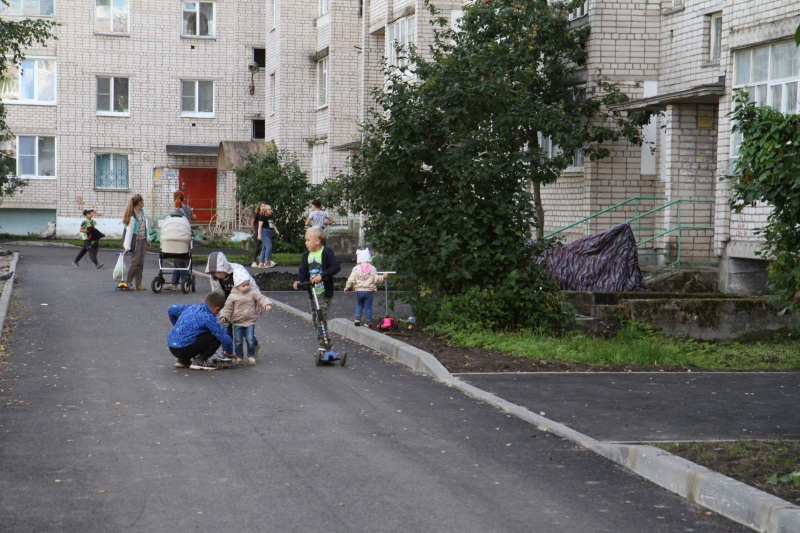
<point x="155" y="57"/>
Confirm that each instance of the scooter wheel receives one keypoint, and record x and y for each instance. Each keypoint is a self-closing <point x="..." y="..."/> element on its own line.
<point x="318" y="359"/>
<point x="343" y="360"/>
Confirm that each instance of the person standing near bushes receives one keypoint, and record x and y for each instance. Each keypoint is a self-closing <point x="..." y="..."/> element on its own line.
<point x="136" y="240"/>
<point x="257" y="218"/>
<point x="266" y="231"/>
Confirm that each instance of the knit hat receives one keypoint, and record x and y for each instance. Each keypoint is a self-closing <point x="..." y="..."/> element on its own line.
<point x="239" y="277"/>
<point x="363" y="256"/>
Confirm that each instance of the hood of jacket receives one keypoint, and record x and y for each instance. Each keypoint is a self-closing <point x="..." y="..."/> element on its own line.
<point x="217" y="262"/>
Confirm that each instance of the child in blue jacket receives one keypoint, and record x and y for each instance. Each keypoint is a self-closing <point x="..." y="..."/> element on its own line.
<point x="196" y="332"/>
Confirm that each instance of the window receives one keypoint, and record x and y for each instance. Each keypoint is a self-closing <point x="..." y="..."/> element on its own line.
<point x="31" y="82"/>
<point x="197" y="98"/>
<point x="28" y="8"/>
<point x="111" y="16"/>
<point x="259" y="130"/>
<point x="198" y="19"/>
<point x="716" y="37"/>
<point x="35" y="155"/>
<point x="771" y="75"/>
<point x="580" y="11"/>
<point x="273" y="103"/>
<point x="455" y="19"/>
<point x="319" y="162"/>
<point x="260" y="57"/>
<point x="400" y="35"/>
<point x="322" y="82"/>
<point x="111" y="171"/>
<point x="112" y="96"/>
<point x="324" y="7"/>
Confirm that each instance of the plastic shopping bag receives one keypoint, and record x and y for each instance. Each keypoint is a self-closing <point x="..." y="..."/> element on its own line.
<point x="119" y="268"/>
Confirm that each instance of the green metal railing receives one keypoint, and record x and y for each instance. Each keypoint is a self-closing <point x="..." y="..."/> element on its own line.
<point x="658" y="233"/>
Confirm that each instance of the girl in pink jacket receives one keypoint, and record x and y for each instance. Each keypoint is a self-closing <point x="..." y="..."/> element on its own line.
<point x="364" y="280"/>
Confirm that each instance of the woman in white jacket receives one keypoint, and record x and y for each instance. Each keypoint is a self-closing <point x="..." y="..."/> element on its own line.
<point x="136" y="241"/>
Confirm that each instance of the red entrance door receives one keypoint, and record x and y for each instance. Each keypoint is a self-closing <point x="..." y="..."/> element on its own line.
<point x="199" y="186"/>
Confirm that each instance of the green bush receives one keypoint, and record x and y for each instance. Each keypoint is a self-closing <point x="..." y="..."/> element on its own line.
<point x="507" y="304"/>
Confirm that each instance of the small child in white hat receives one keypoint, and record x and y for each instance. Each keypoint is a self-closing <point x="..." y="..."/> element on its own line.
<point x="242" y="309"/>
<point x="364" y="280"/>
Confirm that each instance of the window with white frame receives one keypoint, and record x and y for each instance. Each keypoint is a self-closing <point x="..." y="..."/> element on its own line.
<point x="549" y="150"/>
<point x="401" y="34"/>
<point x="319" y="162"/>
<point x="112" y="96"/>
<point x="324" y="6"/>
<point x="31" y="82"/>
<point x="198" y="19"/>
<point x="455" y="19"/>
<point x="715" y="37"/>
<point x="273" y="104"/>
<point x="197" y="98"/>
<point x="111" y="171"/>
<point x="580" y="11"/>
<point x="322" y="82"/>
<point x="770" y="74"/>
<point x="111" y="16"/>
<point x="28" y="8"/>
<point x="35" y="156"/>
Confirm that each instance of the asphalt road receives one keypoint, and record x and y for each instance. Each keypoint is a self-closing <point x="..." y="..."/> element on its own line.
<point x="667" y="407"/>
<point x="98" y="432"/>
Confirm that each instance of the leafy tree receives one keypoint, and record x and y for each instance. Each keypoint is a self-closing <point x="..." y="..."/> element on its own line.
<point x="450" y="168"/>
<point x="768" y="170"/>
<point x="15" y="37"/>
<point x="276" y="178"/>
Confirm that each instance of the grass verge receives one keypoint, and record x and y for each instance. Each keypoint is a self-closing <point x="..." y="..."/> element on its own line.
<point x="769" y="465"/>
<point x="636" y="345"/>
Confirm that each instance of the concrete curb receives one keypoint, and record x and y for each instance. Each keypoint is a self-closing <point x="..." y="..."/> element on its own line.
<point x="40" y="244"/>
<point x="5" y="298"/>
<point x="723" y="495"/>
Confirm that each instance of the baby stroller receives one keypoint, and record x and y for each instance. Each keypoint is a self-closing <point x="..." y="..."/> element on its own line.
<point x="176" y="246"/>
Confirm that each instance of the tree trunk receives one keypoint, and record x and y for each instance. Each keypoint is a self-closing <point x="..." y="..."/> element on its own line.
<point x="537" y="204"/>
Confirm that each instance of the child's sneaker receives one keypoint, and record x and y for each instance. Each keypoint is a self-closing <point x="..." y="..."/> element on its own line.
<point x="223" y="357"/>
<point x="203" y="365"/>
<point x="356" y="322"/>
<point x="256" y="349"/>
<point x="238" y="360"/>
<point x="75" y="264"/>
<point x="272" y="264"/>
<point x="251" y="361"/>
<point x="253" y="265"/>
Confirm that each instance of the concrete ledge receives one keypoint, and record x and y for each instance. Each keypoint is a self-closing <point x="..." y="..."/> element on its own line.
<point x="412" y="357"/>
<point x="5" y="298"/>
<point x="41" y="243"/>
<point x="712" y="490"/>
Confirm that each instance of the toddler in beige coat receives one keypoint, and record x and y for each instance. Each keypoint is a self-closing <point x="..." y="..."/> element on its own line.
<point x="242" y="309"/>
<point x="364" y="279"/>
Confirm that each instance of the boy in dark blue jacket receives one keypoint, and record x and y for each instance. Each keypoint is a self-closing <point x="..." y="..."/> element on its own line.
<point x="196" y="332"/>
<point x="318" y="265"/>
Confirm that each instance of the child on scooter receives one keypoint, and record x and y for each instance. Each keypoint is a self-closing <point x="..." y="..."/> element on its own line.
<point x="318" y="265"/>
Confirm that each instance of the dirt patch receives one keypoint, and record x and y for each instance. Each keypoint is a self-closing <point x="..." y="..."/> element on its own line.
<point x="760" y="464"/>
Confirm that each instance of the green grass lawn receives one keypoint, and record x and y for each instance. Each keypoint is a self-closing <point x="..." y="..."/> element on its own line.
<point x="638" y="345"/>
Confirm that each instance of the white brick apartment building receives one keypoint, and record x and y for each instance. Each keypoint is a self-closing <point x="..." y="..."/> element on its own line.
<point x="680" y="57"/>
<point x="135" y="96"/>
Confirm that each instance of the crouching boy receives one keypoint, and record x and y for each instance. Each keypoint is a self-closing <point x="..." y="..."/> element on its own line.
<point x="196" y="333"/>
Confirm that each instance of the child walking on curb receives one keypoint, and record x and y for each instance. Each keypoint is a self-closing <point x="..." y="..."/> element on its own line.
<point x="242" y="309"/>
<point x="318" y="265"/>
<point x="364" y="280"/>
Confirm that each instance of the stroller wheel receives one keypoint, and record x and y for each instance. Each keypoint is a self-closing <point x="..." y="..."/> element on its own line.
<point x="157" y="284"/>
<point x="186" y="286"/>
<point x="343" y="360"/>
<point x="193" y="284"/>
